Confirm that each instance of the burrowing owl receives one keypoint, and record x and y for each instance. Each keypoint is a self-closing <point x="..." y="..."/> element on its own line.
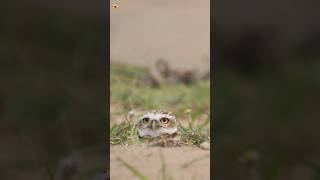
<point x="160" y="128"/>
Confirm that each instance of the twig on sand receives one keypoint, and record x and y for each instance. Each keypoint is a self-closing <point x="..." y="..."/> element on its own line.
<point x="189" y="163"/>
<point x="135" y="171"/>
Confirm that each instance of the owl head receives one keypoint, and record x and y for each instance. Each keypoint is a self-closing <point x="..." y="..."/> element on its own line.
<point x="155" y="123"/>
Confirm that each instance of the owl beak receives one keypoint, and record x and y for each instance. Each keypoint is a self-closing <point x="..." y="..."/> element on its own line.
<point x="153" y="125"/>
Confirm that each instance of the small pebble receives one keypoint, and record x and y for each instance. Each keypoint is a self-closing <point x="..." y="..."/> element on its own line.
<point x="205" y="145"/>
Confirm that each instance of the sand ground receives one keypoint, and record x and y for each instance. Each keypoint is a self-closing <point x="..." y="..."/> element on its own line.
<point x="147" y="160"/>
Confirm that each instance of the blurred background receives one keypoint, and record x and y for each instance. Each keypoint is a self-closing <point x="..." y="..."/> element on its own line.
<point x="53" y="86"/>
<point x="143" y="31"/>
<point x="266" y="90"/>
<point x="265" y="83"/>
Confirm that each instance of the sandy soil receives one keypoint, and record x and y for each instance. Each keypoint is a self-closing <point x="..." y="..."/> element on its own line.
<point x="144" y="30"/>
<point x="147" y="160"/>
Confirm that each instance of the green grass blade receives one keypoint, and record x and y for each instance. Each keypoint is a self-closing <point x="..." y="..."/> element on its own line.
<point x="189" y="163"/>
<point x="135" y="171"/>
<point x="163" y="166"/>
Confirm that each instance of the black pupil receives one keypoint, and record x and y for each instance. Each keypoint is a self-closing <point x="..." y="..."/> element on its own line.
<point x="145" y="119"/>
<point x="164" y="120"/>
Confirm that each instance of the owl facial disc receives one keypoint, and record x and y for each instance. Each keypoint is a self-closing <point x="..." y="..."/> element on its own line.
<point x="156" y="123"/>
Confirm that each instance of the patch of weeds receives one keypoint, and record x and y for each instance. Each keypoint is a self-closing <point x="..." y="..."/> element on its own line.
<point x="126" y="90"/>
<point x="124" y="134"/>
<point x="194" y="134"/>
<point x="130" y="88"/>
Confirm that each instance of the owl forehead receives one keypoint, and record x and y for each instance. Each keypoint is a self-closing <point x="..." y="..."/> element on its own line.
<point x="156" y="115"/>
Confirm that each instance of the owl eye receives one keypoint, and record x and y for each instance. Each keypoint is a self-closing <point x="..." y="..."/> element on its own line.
<point x="145" y="120"/>
<point x="164" y="120"/>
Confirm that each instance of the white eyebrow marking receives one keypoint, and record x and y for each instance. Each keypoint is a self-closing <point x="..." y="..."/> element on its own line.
<point x="157" y="117"/>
